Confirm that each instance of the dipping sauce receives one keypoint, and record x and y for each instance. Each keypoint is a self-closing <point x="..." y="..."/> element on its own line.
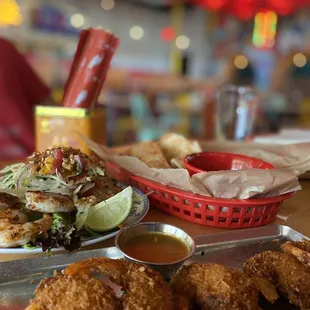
<point x="156" y="247"/>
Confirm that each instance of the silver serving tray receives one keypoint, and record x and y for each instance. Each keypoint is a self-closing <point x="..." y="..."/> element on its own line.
<point x="19" y="278"/>
<point x="233" y="248"/>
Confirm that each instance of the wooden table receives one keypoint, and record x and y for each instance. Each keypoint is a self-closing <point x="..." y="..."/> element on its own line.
<point x="297" y="208"/>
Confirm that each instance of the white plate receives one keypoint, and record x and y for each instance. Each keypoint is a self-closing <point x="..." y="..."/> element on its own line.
<point x="138" y="211"/>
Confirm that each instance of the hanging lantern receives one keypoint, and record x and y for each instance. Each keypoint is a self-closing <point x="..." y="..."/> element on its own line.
<point x="246" y="9"/>
<point x="282" y="7"/>
<point x="214" y="4"/>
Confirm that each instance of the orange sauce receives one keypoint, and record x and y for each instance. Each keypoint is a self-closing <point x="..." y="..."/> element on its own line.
<point x="156" y="247"/>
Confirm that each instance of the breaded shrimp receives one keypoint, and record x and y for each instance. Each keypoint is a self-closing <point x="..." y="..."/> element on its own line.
<point x="73" y="293"/>
<point x="290" y="277"/>
<point x="181" y="302"/>
<point x="267" y="289"/>
<point x="301" y="250"/>
<point x="17" y="231"/>
<point x="143" y="288"/>
<point x="213" y="286"/>
<point x="48" y="202"/>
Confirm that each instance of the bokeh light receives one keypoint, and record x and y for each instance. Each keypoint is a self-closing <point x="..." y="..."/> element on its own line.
<point x="241" y="62"/>
<point x="299" y="60"/>
<point x="167" y="34"/>
<point x="10" y="13"/>
<point x="136" y="32"/>
<point x="107" y="4"/>
<point x="77" y="20"/>
<point x="182" y="42"/>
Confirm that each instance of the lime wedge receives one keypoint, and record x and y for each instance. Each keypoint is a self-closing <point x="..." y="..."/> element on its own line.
<point x="110" y="213"/>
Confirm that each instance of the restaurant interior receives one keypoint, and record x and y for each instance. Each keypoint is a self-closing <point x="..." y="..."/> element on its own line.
<point x="175" y="56"/>
<point x="163" y="144"/>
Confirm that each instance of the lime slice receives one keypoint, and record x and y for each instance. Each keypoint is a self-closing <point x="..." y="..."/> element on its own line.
<point x="127" y="192"/>
<point x="110" y="213"/>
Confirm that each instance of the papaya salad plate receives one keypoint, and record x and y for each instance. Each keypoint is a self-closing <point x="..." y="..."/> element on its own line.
<point x="62" y="199"/>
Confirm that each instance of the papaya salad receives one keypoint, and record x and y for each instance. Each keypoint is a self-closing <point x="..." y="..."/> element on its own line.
<point x="58" y="198"/>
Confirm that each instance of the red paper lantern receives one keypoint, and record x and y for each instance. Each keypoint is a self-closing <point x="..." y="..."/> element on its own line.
<point x="246" y="9"/>
<point x="282" y="7"/>
<point x="214" y="4"/>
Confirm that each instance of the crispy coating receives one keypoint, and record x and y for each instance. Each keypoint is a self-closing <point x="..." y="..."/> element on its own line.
<point x="301" y="250"/>
<point x="73" y="293"/>
<point x="150" y="153"/>
<point x="181" y="302"/>
<point x="291" y="278"/>
<point x="175" y="146"/>
<point x="213" y="286"/>
<point x="266" y="288"/>
<point x="143" y="288"/>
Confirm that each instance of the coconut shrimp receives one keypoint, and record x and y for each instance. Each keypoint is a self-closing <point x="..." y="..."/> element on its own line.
<point x="213" y="286"/>
<point x="299" y="249"/>
<point x="48" y="202"/>
<point x="143" y="288"/>
<point x="73" y="293"/>
<point x="15" y="230"/>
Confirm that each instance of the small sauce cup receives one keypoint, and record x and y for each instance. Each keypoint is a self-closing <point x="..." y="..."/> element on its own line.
<point x="216" y="161"/>
<point x="166" y="269"/>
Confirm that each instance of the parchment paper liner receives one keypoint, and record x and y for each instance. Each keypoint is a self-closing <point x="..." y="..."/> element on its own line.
<point x="239" y="184"/>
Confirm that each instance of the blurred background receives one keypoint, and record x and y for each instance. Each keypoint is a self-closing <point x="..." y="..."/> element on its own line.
<point x="173" y="56"/>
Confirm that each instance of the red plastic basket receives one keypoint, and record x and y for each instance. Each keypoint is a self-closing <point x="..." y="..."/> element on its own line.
<point x="208" y="211"/>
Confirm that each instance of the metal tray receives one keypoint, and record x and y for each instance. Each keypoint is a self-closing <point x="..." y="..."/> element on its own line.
<point x="19" y="278"/>
<point x="233" y="248"/>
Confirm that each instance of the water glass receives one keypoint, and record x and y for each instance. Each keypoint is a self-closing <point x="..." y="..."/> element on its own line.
<point x="236" y="112"/>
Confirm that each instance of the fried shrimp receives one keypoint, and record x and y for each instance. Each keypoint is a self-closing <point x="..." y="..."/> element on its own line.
<point x="290" y="277"/>
<point x="15" y="230"/>
<point x="267" y="289"/>
<point x="73" y="293"/>
<point x="48" y="202"/>
<point x="143" y="288"/>
<point x="213" y="286"/>
<point x="301" y="250"/>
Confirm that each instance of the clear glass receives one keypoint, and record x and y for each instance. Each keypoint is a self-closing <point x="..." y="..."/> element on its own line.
<point x="236" y="112"/>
